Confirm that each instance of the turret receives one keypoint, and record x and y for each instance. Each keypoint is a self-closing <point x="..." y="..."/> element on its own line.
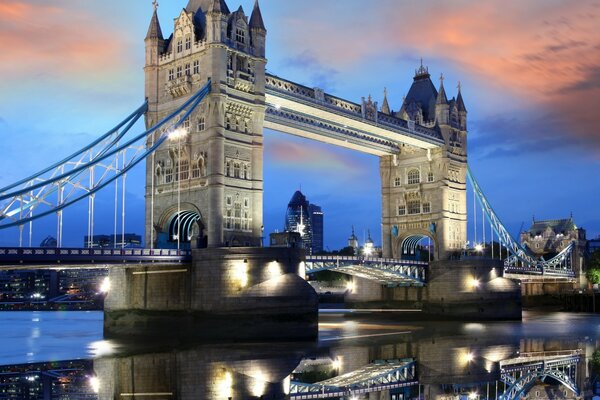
<point x="258" y="31"/>
<point x="462" y="110"/>
<point x="442" y="108"/>
<point x="216" y="21"/>
<point x="385" y="108"/>
<point x="155" y="44"/>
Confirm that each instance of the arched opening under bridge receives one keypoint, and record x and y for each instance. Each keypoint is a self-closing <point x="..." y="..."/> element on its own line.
<point x="182" y="227"/>
<point x="418" y="247"/>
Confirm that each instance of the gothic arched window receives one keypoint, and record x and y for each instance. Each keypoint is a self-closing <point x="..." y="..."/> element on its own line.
<point x="414" y="176"/>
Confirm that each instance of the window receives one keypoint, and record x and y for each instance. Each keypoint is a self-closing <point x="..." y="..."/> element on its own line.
<point x="236" y="170"/>
<point x="188" y="43"/>
<point x="402" y="210"/>
<point x="187" y="69"/>
<point x="228" y="219"/>
<point x="228" y="121"/>
<point x="229" y="200"/>
<point x="237" y="216"/>
<point x="201" y="124"/>
<point x="186" y="123"/>
<point x="179" y="46"/>
<point x="195" y="170"/>
<point x="196" y="67"/>
<point x="426" y="208"/>
<point x="414" y="177"/>
<point x="246" y="203"/>
<point x="168" y="175"/>
<point x="246" y="126"/>
<point x="240" y="35"/>
<point x="397" y="181"/>
<point x="184" y="172"/>
<point x="414" y="207"/>
<point x="245" y="172"/>
<point x="179" y="71"/>
<point x="228" y="168"/>
<point x="430" y="177"/>
<point x="171" y="74"/>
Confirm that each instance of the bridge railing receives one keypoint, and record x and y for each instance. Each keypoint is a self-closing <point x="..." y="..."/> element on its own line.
<point x="36" y="256"/>
<point x="365" y="260"/>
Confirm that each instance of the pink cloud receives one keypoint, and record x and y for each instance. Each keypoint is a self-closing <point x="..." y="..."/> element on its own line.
<point x="310" y="156"/>
<point x="543" y="54"/>
<point x="66" y="41"/>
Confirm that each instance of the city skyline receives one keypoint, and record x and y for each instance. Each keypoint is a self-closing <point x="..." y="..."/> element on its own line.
<point x="95" y="76"/>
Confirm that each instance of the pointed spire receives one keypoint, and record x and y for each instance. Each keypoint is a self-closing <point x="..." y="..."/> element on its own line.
<point x="154" y="31"/>
<point x="256" y="19"/>
<point x="442" y="98"/>
<point x="460" y="104"/>
<point x="385" y="108"/>
<point x="218" y="6"/>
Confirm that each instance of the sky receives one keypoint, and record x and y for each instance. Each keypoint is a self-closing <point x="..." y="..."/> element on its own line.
<point x="529" y="70"/>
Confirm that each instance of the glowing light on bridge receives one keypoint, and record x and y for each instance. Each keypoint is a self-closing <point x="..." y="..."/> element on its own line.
<point x="101" y="348"/>
<point x="274" y="269"/>
<point x="350" y="286"/>
<point x="224" y="386"/>
<point x="473" y="283"/>
<point x="105" y="285"/>
<point x="260" y="383"/>
<point x="336" y="364"/>
<point x="479" y="247"/>
<point x="95" y="384"/>
<point x="240" y="273"/>
<point x="473" y="395"/>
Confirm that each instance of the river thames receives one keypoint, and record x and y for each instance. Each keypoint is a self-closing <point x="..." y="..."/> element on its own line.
<point x="63" y="355"/>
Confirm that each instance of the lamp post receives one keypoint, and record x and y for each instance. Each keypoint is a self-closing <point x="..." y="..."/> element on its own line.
<point x="177" y="135"/>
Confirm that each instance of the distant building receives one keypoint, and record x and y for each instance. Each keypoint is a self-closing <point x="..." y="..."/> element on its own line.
<point x="307" y="220"/>
<point x="594" y="245"/>
<point x="548" y="238"/>
<point x="108" y="241"/>
<point x="316" y="221"/>
<point x="353" y="241"/>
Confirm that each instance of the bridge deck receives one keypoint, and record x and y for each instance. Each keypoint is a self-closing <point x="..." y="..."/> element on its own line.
<point x="41" y="258"/>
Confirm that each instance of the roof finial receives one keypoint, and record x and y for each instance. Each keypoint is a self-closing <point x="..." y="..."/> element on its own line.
<point x="442" y="79"/>
<point x="421" y="62"/>
<point x="459" y="86"/>
<point x="155" y="4"/>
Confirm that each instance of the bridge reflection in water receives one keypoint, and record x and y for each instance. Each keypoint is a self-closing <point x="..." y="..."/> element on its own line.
<point x="358" y="358"/>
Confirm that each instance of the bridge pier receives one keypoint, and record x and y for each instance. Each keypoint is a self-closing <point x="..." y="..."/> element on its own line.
<point x="236" y="294"/>
<point x="466" y="289"/>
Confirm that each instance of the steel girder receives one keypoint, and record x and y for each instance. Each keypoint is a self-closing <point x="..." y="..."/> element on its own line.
<point x="529" y="264"/>
<point x="523" y="377"/>
<point x="384" y="270"/>
<point x="90" y="169"/>
<point x="375" y="377"/>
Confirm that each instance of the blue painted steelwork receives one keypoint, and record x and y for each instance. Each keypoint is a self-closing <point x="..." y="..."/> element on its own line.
<point x="18" y="203"/>
<point x="86" y="258"/>
<point x="376" y="377"/>
<point x="522" y="377"/>
<point x="522" y="261"/>
<point x="387" y="271"/>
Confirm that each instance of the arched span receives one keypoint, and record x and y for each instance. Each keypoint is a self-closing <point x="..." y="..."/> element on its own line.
<point x="417" y="246"/>
<point x="524" y="384"/>
<point x="181" y="226"/>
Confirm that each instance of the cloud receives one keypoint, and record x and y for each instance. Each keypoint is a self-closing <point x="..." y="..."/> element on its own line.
<point x="67" y="39"/>
<point x="319" y="74"/>
<point x="536" y="54"/>
<point x="309" y="156"/>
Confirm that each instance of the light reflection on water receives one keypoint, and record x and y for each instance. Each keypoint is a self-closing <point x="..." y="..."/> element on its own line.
<point x="447" y="353"/>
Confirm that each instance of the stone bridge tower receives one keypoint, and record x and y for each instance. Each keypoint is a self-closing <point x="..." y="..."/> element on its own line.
<point x="424" y="191"/>
<point x="206" y="189"/>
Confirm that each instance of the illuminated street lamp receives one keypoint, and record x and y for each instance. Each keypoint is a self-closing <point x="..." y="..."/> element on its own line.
<point x="479" y="247"/>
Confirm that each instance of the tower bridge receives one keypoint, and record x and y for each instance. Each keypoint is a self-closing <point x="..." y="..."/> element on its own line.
<point x="208" y="100"/>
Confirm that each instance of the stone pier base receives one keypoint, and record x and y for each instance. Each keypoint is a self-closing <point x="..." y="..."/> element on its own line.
<point x="467" y="289"/>
<point x="225" y="294"/>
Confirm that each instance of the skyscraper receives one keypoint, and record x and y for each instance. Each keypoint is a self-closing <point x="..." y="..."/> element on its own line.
<point x="316" y="221"/>
<point x="307" y="220"/>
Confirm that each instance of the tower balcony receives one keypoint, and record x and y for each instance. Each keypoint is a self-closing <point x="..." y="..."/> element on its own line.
<point x="179" y="87"/>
